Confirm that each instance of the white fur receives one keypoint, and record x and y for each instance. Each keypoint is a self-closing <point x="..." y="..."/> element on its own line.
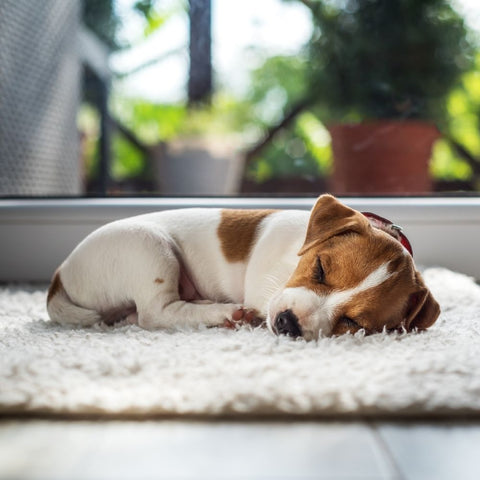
<point x="118" y="264"/>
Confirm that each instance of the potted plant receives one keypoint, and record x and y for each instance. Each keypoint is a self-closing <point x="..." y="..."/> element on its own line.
<point x="380" y="71"/>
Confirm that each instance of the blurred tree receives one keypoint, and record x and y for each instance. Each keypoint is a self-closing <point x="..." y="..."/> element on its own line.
<point x="102" y="19"/>
<point x="457" y="156"/>
<point x="371" y="59"/>
<point x="386" y="58"/>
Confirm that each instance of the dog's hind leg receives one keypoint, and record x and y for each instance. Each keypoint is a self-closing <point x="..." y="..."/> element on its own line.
<point x="164" y="295"/>
<point x="164" y="304"/>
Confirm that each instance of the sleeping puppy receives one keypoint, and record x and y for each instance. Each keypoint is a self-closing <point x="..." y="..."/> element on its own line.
<point x="326" y="272"/>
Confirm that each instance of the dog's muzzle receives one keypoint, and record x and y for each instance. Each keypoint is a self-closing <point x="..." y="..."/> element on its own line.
<point x="286" y="323"/>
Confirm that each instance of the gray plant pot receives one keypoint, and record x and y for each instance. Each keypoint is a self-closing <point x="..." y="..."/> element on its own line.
<point x="199" y="166"/>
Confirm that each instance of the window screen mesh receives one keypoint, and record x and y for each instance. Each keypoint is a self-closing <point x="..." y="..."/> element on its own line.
<point x="39" y="93"/>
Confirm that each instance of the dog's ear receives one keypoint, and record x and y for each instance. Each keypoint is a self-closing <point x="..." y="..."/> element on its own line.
<point x="329" y="218"/>
<point x="422" y="309"/>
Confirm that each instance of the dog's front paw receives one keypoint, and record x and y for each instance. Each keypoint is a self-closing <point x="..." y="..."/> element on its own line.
<point x="244" y="316"/>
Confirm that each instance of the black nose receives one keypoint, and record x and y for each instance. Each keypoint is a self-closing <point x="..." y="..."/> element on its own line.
<point x="286" y="323"/>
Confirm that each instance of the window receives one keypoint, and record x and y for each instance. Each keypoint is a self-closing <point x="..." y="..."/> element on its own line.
<point x="167" y="97"/>
<point x="239" y="104"/>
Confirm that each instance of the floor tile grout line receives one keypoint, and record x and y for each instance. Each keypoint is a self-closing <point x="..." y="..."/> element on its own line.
<point x="385" y="449"/>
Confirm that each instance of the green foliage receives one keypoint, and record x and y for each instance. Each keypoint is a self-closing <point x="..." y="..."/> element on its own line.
<point x="100" y="17"/>
<point x="369" y="59"/>
<point x="275" y="86"/>
<point x="446" y="165"/>
<point x="151" y="122"/>
<point x="145" y="7"/>
<point x="154" y="122"/>
<point x="386" y="58"/>
<point x="303" y="151"/>
<point x="463" y="126"/>
<point x="128" y="161"/>
<point x="317" y="141"/>
<point x="286" y="157"/>
<point x="154" y="22"/>
<point x="464" y="110"/>
<point x="281" y="79"/>
<point x="156" y="13"/>
<point x="366" y="59"/>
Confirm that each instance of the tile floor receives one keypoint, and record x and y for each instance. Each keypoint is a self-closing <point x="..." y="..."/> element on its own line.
<point x="92" y="450"/>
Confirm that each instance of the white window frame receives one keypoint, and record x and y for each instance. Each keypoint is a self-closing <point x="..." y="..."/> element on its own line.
<point x="37" y="234"/>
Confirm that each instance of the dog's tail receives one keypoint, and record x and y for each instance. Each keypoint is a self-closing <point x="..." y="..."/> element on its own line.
<point x="62" y="310"/>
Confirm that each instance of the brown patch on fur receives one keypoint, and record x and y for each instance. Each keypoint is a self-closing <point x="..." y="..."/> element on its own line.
<point x="330" y="218"/>
<point x="237" y="231"/>
<point x="347" y="260"/>
<point x="423" y="310"/>
<point x="159" y="280"/>
<point x="55" y="286"/>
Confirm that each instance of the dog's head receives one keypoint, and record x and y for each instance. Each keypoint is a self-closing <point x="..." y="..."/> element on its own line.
<point x="350" y="276"/>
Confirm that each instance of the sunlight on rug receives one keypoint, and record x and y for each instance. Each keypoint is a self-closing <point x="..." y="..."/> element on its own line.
<point x="123" y="370"/>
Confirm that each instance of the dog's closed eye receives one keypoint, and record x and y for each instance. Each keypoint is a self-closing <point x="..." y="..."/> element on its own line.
<point x="349" y="323"/>
<point x="319" y="272"/>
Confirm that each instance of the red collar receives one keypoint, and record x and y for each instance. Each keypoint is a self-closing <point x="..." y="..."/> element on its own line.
<point x="389" y="227"/>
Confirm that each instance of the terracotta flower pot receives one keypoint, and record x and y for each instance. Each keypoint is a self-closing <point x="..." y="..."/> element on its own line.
<point x="385" y="157"/>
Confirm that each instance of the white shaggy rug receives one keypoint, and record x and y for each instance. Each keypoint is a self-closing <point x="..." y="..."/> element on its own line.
<point x="125" y="371"/>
